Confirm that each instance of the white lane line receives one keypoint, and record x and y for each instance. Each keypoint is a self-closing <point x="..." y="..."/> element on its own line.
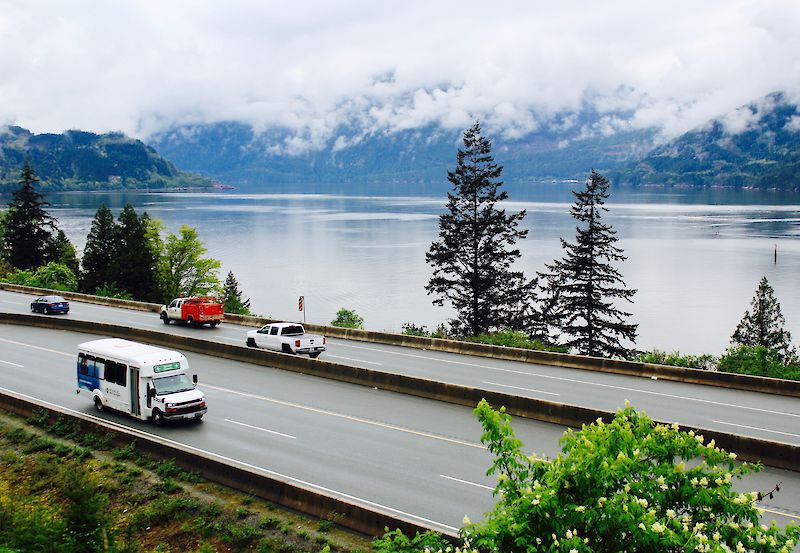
<point x="520" y="388"/>
<point x="230" y="460"/>
<point x="262" y="429"/>
<point x="781" y="513"/>
<point x="147" y="314"/>
<point x="234" y="340"/>
<point x="355" y="360"/>
<point x="576" y="381"/>
<point x="14" y="364"/>
<point x="138" y="323"/>
<point x="757" y="428"/>
<point x="38" y="347"/>
<point x="466" y="482"/>
<point x="14" y="302"/>
<point x="345" y="417"/>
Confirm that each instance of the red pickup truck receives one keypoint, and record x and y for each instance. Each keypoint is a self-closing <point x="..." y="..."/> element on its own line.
<point x="194" y="311"/>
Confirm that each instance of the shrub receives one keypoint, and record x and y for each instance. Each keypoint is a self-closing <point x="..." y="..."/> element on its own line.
<point x="758" y="361"/>
<point x="346" y="318"/>
<point x="111" y="290"/>
<point x="410" y="329"/>
<point x="54" y="276"/>
<point x="514" y="339"/>
<point x="704" y="361"/>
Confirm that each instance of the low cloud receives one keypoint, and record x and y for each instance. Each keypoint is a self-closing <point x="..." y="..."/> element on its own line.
<point x="310" y="67"/>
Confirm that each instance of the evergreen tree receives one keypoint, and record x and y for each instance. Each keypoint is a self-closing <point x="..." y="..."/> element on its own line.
<point x="27" y="238"/>
<point x="134" y="264"/>
<point x="62" y="251"/>
<point x="472" y="260"/>
<point x="99" y="253"/>
<point x="584" y="283"/>
<point x="233" y="297"/>
<point x="763" y="324"/>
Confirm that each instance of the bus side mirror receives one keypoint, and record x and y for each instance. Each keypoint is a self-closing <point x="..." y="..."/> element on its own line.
<point x="151" y="392"/>
<point x="194" y="378"/>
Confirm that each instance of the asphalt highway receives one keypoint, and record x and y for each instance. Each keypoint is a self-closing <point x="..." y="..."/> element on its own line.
<point x="764" y="416"/>
<point x="409" y="456"/>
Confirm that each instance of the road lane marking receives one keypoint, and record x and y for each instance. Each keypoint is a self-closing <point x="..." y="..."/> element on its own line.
<point x="521" y="388"/>
<point x="10" y="363"/>
<point x="356" y="360"/>
<point x="757" y="428"/>
<point x="262" y="429"/>
<point x="37" y="347"/>
<point x="466" y="482"/>
<point x="233" y="461"/>
<point x="14" y="302"/>
<point x="235" y="340"/>
<point x="144" y="324"/>
<point x="576" y="381"/>
<point x="343" y="416"/>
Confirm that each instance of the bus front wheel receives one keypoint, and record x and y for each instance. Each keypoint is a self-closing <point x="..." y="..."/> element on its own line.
<point x="98" y="403"/>
<point x="158" y="418"/>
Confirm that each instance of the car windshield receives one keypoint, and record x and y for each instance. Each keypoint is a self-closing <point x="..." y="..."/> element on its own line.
<point x="172" y="384"/>
<point x="292" y="331"/>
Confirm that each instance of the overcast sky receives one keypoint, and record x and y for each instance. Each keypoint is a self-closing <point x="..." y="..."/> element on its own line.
<point x="140" y="66"/>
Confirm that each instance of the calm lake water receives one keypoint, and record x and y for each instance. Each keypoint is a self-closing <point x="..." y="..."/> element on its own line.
<point x="695" y="257"/>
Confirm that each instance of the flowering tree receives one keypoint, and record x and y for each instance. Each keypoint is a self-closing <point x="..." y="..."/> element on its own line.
<point x="626" y="486"/>
<point x="629" y="485"/>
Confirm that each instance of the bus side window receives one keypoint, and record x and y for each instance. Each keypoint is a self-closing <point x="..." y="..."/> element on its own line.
<point x="111" y="372"/>
<point x="122" y="373"/>
<point x="99" y="368"/>
<point x="83" y="364"/>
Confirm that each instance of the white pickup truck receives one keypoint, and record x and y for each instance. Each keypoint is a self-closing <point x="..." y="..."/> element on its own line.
<point x="287" y="338"/>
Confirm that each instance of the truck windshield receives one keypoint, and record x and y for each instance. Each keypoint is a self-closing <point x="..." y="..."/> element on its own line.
<point x="292" y="331"/>
<point x="172" y="384"/>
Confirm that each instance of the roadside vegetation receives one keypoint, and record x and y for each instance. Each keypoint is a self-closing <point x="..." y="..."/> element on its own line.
<point x="627" y="484"/>
<point x="62" y="490"/>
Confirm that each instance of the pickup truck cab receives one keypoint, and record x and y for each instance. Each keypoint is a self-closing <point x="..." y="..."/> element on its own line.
<point x="194" y="311"/>
<point x="287" y="338"/>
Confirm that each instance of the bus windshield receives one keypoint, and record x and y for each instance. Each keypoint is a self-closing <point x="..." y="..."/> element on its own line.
<point x="172" y="384"/>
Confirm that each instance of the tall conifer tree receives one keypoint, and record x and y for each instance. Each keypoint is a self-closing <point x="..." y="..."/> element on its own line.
<point x="62" y="251"/>
<point x="134" y="265"/>
<point x="27" y="237"/>
<point x="763" y="324"/>
<point x="99" y="252"/>
<point x="472" y="260"/>
<point x="234" y="303"/>
<point x="584" y="283"/>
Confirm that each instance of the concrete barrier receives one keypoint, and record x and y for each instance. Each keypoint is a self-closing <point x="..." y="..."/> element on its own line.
<point x="227" y="472"/>
<point x="776" y="454"/>
<point x="732" y="381"/>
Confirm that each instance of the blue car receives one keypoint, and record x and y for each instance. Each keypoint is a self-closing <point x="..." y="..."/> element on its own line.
<point x="50" y="304"/>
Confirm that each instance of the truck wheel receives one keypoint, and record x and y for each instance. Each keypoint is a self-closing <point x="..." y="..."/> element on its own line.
<point x="165" y="318"/>
<point x="314" y="355"/>
<point x="214" y="324"/>
<point x="286" y="349"/>
<point x="158" y="418"/>
<point x="190" y="321"/>
<point x="251" y="343"/>
<point x="98" y="403"/>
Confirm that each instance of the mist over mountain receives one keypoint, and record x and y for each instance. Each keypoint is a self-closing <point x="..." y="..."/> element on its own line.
<point x="235" y="153"/>
<point x="756" y="146"/>
<point x="78" y="160"/>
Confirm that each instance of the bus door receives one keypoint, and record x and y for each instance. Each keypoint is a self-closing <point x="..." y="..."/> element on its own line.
<point x="134" y="380"/>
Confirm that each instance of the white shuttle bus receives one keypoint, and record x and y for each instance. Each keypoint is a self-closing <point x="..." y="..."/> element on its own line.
<point x="143" y="381"/>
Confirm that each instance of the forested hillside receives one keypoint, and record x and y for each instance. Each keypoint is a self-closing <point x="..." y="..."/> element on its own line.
<point x="77" y="160"/>
<point x="758" y="146"/>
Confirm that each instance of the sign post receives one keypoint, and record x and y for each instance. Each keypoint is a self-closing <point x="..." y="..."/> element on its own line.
<point x="301" y="306"/>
